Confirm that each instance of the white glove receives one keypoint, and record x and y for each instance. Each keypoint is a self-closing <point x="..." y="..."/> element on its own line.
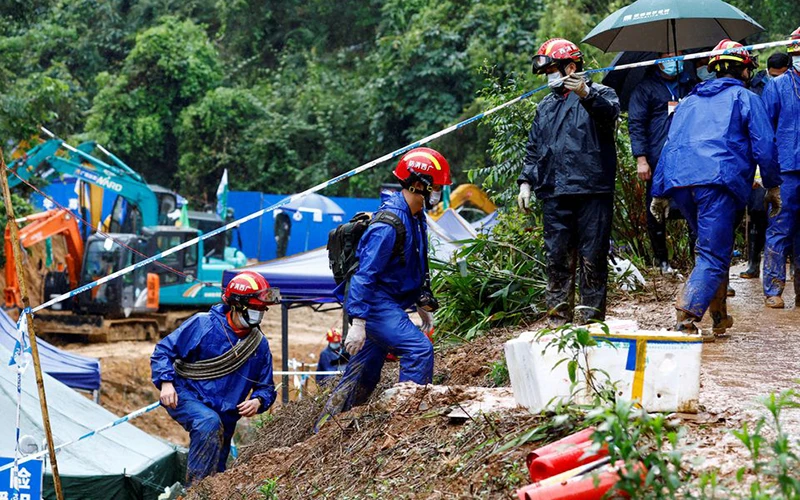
<point x="427" y="319"/>
<point x="659" y="207"/>
<point x="577" y="84"/>
<point x="356" y="336"/>
<point x="524" y="198"/>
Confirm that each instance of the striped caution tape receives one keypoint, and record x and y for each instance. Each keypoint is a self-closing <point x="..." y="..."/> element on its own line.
<point x="384" y="158"/>
<point x="121" y="420"/>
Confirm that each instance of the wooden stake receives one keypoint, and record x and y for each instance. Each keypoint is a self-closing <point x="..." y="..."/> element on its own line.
<point x="12" y="225"/>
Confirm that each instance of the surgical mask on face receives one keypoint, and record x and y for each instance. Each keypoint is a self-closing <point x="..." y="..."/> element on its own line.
<point x="672" y="68"/>
<point x="796" y="63"/>
<point x="704" y="74"/>
<point x="552" y="80"/>
<point x="335" y="345"/>
<point x="252" y="317"/>
<point x="435" y="198"/>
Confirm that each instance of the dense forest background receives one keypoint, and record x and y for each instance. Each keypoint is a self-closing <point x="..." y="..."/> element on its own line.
<point x="283" y="93"/>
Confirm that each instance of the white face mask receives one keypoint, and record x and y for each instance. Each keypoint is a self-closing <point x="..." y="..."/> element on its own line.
<point x="435" y="198"/>
<point x="552" y="79"/>
<point x="252" y="317"/>
<point x="796" y="63"/>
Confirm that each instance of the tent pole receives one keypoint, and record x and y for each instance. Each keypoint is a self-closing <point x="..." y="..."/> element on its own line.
<point x="14" y="230"/>
<point x="285" y="351"/>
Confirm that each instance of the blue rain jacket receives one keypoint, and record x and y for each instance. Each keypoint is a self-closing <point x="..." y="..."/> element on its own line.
<point x="648" y="115"/>
<point x="782" y="99"/>
<point x="205" y="336"/>
<point x="718" y="135"/>
<point x="380" y="276"/>
<point x="331" y="361"/>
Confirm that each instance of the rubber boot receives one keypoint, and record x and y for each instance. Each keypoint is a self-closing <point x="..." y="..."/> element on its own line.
<point x="718" y="310"/>
<point x="685" y="322"/>
<point x="754" y="262"/>
<point x="774" y="302"/>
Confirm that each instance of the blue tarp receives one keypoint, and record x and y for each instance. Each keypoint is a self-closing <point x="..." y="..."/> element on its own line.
<point x="256" y="238"/>
<point x="73" y="370"/>
<point x="307" y="277"/>
<point x="304" y="276"/>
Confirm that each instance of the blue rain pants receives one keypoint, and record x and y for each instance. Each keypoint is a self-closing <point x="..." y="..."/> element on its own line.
<point x="781" y="231"/>
<point x="711" y="213"/>
<point x="210" y="436"/>
<point x="389" y="330"/>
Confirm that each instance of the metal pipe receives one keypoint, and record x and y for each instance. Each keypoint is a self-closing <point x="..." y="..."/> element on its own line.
<point x="285" y="351"/>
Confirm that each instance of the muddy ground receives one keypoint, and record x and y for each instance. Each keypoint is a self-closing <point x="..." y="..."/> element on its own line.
<point x="414" y="450"/>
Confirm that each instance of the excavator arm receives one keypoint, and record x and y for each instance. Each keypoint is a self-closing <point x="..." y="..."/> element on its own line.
<point x="118" y="178"/>
<point x="42" y="226"/>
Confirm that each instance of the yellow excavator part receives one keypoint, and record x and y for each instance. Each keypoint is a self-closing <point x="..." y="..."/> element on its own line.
<point x="466" y="193"/>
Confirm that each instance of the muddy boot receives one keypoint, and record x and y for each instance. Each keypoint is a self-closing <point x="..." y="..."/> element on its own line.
<point x="685" y="322"/>
<point x="718" y="310"/>
<point x="774" y="302"/>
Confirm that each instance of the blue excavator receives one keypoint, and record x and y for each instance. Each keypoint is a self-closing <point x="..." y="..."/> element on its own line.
<point x="155" y="298"/>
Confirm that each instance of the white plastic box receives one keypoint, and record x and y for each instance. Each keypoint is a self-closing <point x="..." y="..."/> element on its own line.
<point x="659" y="369"/>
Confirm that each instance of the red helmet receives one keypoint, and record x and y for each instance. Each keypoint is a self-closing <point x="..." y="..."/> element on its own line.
<point x="735" y="56"/>
<point x="333" y="336"/>
<point x="555" y="49"/>
<point x="424" y="162"/>
<point x="250" y="290"/>
<point x="794" y="49"/>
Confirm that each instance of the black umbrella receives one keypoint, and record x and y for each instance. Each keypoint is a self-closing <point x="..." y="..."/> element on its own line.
<point x="664" y="25"/>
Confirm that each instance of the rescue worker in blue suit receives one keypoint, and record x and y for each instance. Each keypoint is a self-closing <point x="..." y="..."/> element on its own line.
<point x="571" y="165"/>
<point x="782" y="99"/>
<point x="777" y="64"/>
<point x="387" y="284"/>
<point x="649" y="110"/>
<point x="216" y="368"/>
<point x="332" y="358"/>
<point x="718" y="135"/>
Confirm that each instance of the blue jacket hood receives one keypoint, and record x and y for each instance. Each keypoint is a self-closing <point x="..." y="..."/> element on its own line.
<point x="715" y="86"/>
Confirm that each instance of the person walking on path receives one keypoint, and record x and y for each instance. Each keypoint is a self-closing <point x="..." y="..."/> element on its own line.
<point x="718" y="135"/>
<point x="782" y="99"/>
<point x="570" y="165"/>
<point x="777" y="64"/>
<point x="216" y="368"/>
<point x="387" y="283"/>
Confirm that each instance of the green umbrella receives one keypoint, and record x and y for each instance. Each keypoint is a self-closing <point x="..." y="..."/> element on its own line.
<point x="663" y="25"/>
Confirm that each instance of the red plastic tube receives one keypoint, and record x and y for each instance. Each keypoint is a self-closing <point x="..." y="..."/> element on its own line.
<point x="580" y="488"/>
<point x="561" y="444"/>
<point x="562" y="461"/>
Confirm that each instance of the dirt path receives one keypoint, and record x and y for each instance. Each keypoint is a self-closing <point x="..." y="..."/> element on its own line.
<point x="761" y="357"/>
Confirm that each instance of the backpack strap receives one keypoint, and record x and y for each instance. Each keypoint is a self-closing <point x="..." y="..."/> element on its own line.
<point x="393" y="220"/>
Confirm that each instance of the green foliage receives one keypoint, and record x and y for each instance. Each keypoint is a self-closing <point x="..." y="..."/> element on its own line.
<point x="171" y="66"/>
<point x="493" y="282"/>
<point x="498" y="373"/>
<point x="269" y="489"/>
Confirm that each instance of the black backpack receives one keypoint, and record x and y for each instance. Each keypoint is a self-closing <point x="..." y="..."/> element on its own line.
<point x="343" y="242"/>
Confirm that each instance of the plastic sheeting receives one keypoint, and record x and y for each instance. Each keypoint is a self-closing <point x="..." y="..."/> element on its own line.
<point x="121" y="463"/>
<point x="78" y="372"/>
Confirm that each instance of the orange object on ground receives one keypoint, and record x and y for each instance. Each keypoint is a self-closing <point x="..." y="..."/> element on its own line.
<point x="584" y="487"/>
<point x="572" y="456"/>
